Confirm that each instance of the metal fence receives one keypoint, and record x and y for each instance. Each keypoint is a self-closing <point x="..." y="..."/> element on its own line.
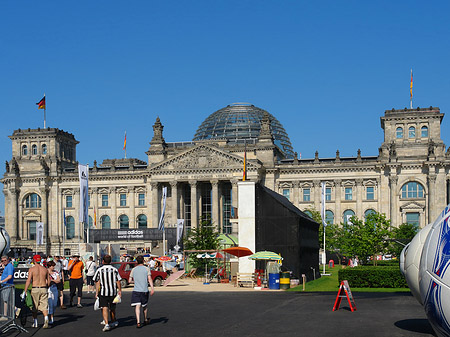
<point x="8" y="309"/>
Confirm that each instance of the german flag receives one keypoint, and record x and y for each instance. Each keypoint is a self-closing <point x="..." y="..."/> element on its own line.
<point x="41" y="103"/>
<point x="125" y="141"/>
<point x="411" y="86"/>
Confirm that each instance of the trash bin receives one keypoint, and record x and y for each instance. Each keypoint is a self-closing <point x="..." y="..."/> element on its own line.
<point x="285" y="280"/>
<point x="274" y="281"/>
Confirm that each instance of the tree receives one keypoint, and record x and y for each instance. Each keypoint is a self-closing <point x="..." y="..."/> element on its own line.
<point x="366" y="238"/>
<point x="401" y="236"/>
<point x="333" y="234"/>
<point x="204" y="237"/>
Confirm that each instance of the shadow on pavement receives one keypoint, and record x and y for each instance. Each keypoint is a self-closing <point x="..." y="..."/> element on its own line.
<point x="163" y="320"/>
<point x="415" y="325"/>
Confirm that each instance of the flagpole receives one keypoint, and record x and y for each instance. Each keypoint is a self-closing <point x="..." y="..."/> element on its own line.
<point x="45" y="106"/>
<point x="410" y="91"/>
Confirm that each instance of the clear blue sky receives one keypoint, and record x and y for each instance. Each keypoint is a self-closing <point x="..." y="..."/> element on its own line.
<point x="327" y="70"/>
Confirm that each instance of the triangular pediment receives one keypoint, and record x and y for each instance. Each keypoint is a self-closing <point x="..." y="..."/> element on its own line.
<point x="412" y="205"/>
<point x="203" y="157"/>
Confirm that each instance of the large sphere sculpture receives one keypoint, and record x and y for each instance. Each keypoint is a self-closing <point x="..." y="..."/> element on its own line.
<point x="425" y="263"/>
<point x="4" y="242"/>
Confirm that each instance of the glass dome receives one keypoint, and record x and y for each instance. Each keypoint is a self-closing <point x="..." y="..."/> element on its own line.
<point x="240" y="121"/>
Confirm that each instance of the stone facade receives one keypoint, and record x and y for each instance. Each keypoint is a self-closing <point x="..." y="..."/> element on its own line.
<point x="408" y="180"/>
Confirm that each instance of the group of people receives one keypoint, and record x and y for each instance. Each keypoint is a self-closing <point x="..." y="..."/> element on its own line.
<point x="47" y="285"/>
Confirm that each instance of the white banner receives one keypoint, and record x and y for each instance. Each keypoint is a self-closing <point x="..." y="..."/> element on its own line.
<point x="161" y="220"/>
<point x="83" y="173"/>
<point x="180" y="224"/>
<point x="39" y="233"/>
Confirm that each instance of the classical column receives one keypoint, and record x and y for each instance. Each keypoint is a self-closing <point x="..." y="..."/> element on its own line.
<point x="194" y="204"/>
<point x="155" y="205"/>
<point x="359" y="198"/>
<point x="316" y="195"/>
<point x="132" y="198"/>
<point x="11" y="223"/>
<point x="431" y="197"/>
<point x="174" y="210"/>
<point x="215" y="203"/>
<point x="44" y="215"/>
<point x="337" y="192"/>
<point x="295" y="191"/>
<point x="393" y="199"/>
<point x="234" y="193"/>
<point x="76" y="216"/>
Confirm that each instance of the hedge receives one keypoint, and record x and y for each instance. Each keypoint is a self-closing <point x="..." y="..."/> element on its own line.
<point x="384" y="263"/>
<point x="373" y="277"/>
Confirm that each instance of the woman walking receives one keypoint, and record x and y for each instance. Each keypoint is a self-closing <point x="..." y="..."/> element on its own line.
<point x="54" y="278"/>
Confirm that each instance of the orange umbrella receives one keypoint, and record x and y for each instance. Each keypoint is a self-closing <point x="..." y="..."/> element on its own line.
<point x="238" y="251"/>
<point x="164" y="258"/>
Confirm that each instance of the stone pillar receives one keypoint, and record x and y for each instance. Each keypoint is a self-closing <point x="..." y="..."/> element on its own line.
<point x="174" y="211"/>
<point x="215" y="204"/>
<point x="44" y="215"/>
<point x="76" y="216"/>
<point x="155" y="205"/>
<point x="316" y="195"/>
<point x="132" y="198"/>
<point x="12" y="220"/>
<point x="234" y="193"/>
<point x="295" y="193"/>
<point x="359" y="198"/>
<point x="431" y="197"/>
<point x="337" y="192"/>
<point x="393" y="199"/>
<point x="194" y="204"/>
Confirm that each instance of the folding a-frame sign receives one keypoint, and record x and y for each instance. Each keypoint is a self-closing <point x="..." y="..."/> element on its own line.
<point x="344" y="291"/>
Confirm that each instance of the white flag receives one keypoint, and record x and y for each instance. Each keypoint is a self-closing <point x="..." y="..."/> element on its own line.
<point x="180" y="224"/>
<point x="161" y="220"/>
<point x="39" y="233"/>
<point x="83" y="173"/>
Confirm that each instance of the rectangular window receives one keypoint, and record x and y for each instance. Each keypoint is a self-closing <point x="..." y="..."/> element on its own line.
<point x="68" y="201"/>
<point x="370" y="193"/>
<point x="89" y="200"/>
<point x="287" y="193"/>
<point x="306" y="194"/>
<point x="104" y="200"/>
<point x="32" y="230"/>
<point x="413" y="219"/>
<point x="141" y="199"/>
<point x="328" y="194"/>
<point x="348" y="193"/>
<point x="123" y="199"/>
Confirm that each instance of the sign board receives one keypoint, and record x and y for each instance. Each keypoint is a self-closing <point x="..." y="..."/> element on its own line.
<point x="344" y="291"/>
<point x="21" y="274"/>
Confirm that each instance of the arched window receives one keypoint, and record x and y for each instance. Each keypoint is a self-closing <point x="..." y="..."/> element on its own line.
<point x="412" y="190"/>
<point x="123" y="222"/>
<point x="70" y="227"/>
<point x="44" y="148"/>
<point x="347" y="215"/>
<point x="308" y="213"/>
<point x="369" y="211"/>
<point x="33" y="201"/>
<point x="142" y="221"/>
<point x="329" y="217"/>
<point x="34" y="149"/>
<point x="412" y="132"/>
<point x="399" y="133"/>
<point x="424" y="132"/>
<point x="106" y="222"/>
<point x="24" y="150"/>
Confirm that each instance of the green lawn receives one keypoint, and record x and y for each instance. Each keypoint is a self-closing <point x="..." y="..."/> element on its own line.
<point x="330" y="283"/>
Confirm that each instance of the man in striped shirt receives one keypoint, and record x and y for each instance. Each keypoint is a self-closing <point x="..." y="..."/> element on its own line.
<point x="107" y="280"/>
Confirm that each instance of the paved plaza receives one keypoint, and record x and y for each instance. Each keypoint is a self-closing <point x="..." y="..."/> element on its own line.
<point x="175" y="311"/>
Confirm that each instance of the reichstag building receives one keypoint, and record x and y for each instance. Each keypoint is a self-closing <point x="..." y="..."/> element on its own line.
<point x="408" y="180"/>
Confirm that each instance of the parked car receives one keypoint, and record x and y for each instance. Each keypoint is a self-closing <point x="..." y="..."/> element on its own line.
<point x="125" y="269"/>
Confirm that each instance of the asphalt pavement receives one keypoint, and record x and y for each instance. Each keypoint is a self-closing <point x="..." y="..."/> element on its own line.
<point x="257" y="313"/>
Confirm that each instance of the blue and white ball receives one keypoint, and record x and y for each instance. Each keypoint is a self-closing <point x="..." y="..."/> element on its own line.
<point x="434" y="274"/>
<point x="410" y="261"/>
<point x="4" y="242"/>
